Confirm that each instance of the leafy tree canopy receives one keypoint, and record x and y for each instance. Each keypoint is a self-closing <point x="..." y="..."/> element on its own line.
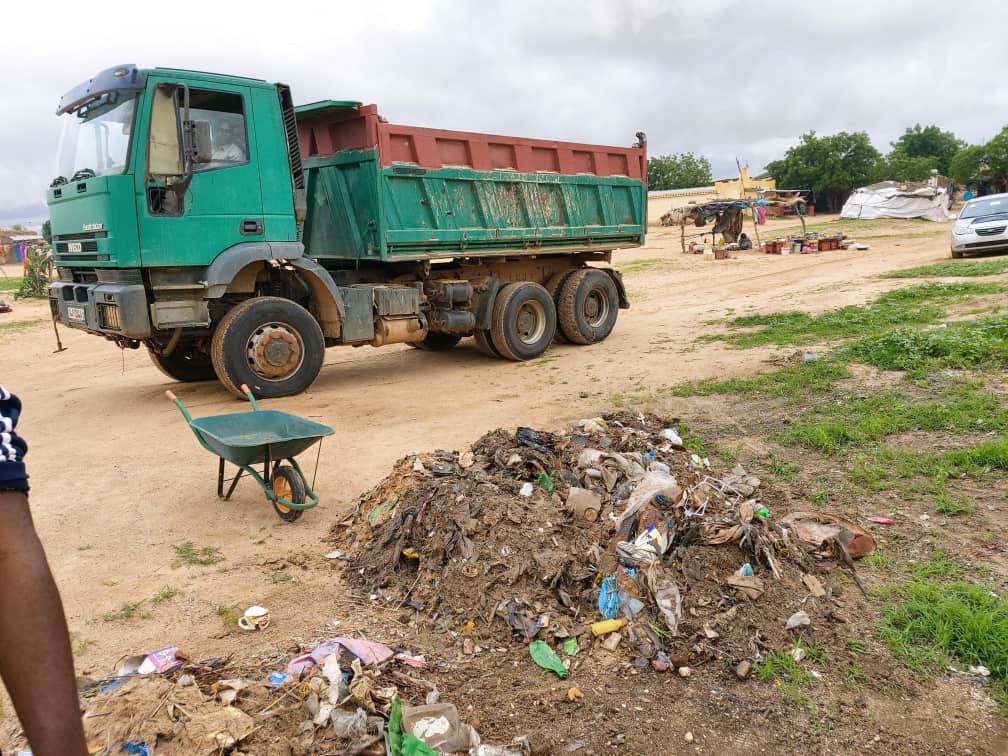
<point x="678" y="171"/>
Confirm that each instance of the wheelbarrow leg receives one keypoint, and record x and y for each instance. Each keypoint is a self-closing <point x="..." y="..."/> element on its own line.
<point x="220" y="481"/>
<point x="234" y="482"/>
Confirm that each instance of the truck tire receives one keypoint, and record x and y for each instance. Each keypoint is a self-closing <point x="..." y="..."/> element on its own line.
<point x="437" y="342"/>
<point x="589" y="304"/>
<point x="272" y="344"/>
<point x="484" y="343"/>
<point x="184" y="364"/>
<point x="523" y="322"/>
<point x="553" y="286"/>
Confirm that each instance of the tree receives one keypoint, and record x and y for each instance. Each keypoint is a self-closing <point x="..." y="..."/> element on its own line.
<point x="898" y="166"/>
<point x="17" y="227"/>
<point x="678" y="171"/>
<point x="996" y="157"/>
<point x="928" y="142"/>
<point x="47" y="231"/>
<point x="831" y="166"/>
<point x="964" y="166"/>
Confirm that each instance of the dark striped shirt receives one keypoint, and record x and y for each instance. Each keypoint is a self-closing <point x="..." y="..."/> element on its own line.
<point x="12" y="447"/>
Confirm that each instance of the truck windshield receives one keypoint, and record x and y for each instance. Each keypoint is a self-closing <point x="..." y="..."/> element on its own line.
<point x="96" y="138"/>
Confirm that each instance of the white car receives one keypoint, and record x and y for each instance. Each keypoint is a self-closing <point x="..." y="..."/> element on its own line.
<point x="982" y="226"/>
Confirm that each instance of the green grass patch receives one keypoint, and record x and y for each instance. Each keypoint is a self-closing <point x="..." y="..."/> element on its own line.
<point x="10" y="284"/>
<point x="967" y="345"/>
<point x="165" y="594"/>
<point x="863" y="229"/>
<point x="127" y="611"/>
<point x="953" y="269"/>
<point x="281" y="577"/>
<point x="638" y="266"/>
<point x="11" y="326"/>
<point x="188" y="553"/>
<point x="938" y="565"/>
<point x="932" y="622"/>
<point x="229" y="614"/>
<point x="885" y="464"/>
<point x="864" y="421"/>
<point x="915" y="305"/>
<point x="949" y="506"/>
<point x="877" y="561"/>
<point x="794" y="380"/>
<point x="783" y="468"/>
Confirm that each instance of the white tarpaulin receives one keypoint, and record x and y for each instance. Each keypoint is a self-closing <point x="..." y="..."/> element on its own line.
<point x="891" y="199"/>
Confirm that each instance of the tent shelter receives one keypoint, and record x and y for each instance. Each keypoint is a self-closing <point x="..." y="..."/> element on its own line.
<point x="894" y="199"/>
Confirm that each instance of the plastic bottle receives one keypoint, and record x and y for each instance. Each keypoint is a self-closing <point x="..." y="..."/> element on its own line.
<point x="606" y="626"/>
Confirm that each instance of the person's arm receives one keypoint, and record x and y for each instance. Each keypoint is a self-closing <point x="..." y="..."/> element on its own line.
<point x="36" y="662"/>
<point x="35" y="658"/>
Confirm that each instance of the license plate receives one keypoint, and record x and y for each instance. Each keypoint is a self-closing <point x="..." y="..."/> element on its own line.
<point x="76" y="313"/>
<point x="74" y="247"/>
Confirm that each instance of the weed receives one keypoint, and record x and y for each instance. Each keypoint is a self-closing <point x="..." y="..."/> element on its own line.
<point x="967" y="345"/>
<point x="127" y="611"/>
<point x="877" y="561"/>
<point x="692" y="443"/>
<point x="931" y="622"/>
<point x="80" y="645"/>
<point x="281" y="577"/>
<point x="855" y="646"/>
<point x="938" y="565"/>
<point x="863" y="421"/>
<point x="815" y="652"/>
<point x="986" y="538"/>
<point x="187" y="553"/>
<point x="946" y="505"/>
<point x="884" y="464"/>
<point x="783" y="468"/>
<point x="960" y="269"/>
<point x="780" y="665"/>
<point x="10" y="284"/>
<point x="804" y="378"/>
<point x="728" y="455"/>
<point x="85" y="547"/>
<point x="854" y="678"/>
<point x="820" y="498"/>
<point x="229" y="614"/>
<point x="165" y="594"/>
<point x="638" y="266"/>
<point x="915" y="305"/>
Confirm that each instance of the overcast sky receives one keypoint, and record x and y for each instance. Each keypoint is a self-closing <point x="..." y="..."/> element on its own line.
<point x="721" y="78"/>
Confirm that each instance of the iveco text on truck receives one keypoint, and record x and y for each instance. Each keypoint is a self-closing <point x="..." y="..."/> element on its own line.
<point x="235" y="236"/>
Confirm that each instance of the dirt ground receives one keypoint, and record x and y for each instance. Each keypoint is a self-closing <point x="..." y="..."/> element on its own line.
<point x="118" y="480"/>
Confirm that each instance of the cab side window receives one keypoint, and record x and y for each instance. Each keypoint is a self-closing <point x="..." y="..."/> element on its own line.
<point x="228" y="135"/>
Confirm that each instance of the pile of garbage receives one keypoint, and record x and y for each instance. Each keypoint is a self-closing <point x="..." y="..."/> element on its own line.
<point x="597" y="535"/>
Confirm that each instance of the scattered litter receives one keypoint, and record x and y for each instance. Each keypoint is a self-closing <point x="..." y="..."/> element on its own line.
<point x="980" y="670"/>
<point x="685" y="671"/>
<point x="161" y="661"/>
<point x="814" y="586"/>
<point x="742" y="669"/>
<point x="526" y="490"/>
<point x="826" y="534"/>
<point x="798" y="619"/>
<point x="606" y="626"/>
<point x="882" y="520"/>
<point x="254" y="618"/>
<point x="570" y="646"/>
<point x="546" y="657"/>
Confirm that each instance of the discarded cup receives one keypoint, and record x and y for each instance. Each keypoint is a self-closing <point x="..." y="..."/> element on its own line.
<point x="255" y="618"/>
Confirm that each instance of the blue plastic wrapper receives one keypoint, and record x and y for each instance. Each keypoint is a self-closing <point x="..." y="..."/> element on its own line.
<point x="608" y="597"/>
<point x="137" y="747"/>
<point x="278" y="678"/>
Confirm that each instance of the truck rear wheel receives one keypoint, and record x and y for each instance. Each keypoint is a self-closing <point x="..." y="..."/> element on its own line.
<point x="553" y="286"/>
<point x="523" y="322"/>
<point x="437" y="342"/>
<point x="185" y="364"/>
<point x="272" y="344"/>
<point x="589" y="304"/>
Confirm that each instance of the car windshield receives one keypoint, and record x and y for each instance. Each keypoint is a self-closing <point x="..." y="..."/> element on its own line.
<point x="991" y="206"/>
<point x="96" y="138"/>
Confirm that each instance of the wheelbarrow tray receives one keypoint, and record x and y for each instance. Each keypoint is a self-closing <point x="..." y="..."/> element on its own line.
<point x="244" y="437"/>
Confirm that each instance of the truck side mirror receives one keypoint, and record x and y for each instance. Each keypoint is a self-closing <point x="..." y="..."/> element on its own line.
<point x="197" y="141"/>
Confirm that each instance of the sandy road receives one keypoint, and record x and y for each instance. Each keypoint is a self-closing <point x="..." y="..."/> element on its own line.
<point x="117" y="477"/>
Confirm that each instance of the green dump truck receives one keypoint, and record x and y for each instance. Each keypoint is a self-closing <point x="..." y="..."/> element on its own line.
<point x="235" y="236"/>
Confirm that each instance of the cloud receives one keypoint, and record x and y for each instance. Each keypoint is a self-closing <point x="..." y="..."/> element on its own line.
<point x="723" y="78"/>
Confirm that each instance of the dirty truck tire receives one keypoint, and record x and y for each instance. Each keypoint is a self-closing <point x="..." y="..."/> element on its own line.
<point x="484" y="343"/>
<point x="523" y="322"/>
<point x="272" y="344"/>
<point x="288" y="484"/>
<point x="437" y="342"/>
<point x="186" y="365"/>
<point x="589" y="304"/>
<point x="553" y="286"/>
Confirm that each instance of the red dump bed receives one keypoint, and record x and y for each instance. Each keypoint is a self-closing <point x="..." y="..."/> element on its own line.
<point x="327" y="128"/>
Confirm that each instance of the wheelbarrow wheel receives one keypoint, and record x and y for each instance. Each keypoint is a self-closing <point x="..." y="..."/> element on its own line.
<point x="288" y="484"/>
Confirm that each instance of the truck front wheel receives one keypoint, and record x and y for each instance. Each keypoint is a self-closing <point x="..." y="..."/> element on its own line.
<point x="588" y="306"/>
<point x="524" y="321"/>
<point x="272" y="344"/>
<point x="185" y="364"/>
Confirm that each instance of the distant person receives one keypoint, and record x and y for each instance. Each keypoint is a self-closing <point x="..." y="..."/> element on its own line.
<point x="744" y="242"/>
<point x="36" y="663"/>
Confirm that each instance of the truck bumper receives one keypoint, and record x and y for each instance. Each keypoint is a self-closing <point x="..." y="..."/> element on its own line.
<point x="107" y="309"/>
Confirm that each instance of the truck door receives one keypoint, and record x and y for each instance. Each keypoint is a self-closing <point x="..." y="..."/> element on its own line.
<point x="223" y="203"/>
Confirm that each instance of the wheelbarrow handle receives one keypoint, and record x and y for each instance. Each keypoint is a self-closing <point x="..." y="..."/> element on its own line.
<point x="251" y="397"/>
<point x="178" y="403"/>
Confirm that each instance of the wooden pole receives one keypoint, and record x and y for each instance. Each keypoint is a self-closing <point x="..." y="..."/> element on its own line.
<point x="682" y="237"/>
<point x="755" y="228"/>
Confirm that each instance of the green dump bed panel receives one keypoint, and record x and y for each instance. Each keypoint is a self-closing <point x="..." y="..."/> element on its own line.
<point x="419" y="193"/>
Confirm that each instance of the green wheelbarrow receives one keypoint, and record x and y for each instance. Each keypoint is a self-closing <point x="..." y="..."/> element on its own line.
<point x="265" y="437"/>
